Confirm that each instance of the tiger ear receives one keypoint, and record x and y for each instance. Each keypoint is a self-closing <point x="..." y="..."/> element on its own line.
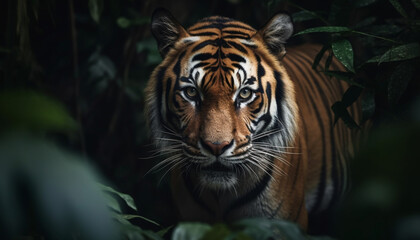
<point x="166" y="30"/>
<point x="275" y="33"/>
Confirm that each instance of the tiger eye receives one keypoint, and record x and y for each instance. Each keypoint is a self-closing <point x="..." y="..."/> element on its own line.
<point x="191" y="92"/>
<point x="245" y="93"/>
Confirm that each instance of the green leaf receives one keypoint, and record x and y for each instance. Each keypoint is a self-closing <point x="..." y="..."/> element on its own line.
<point x="340" y="112"/>
<point x="123" y="22"/>
<point x="365" y="22"/>
<point x="218" y="231"/>
<point x="127" y="198"/>
<point x="262" y="229"/>
<point x="351" y="95"/>
<point x="304" y="15"/>
<point x="190" y="231"/>
<point x="345" y="76"/>
<point x="398" y="82"/>
<point x="416" y="3"/>
<point x="129" y="216"/>
<point x="319" y="56"/>
<point x="25" y="109"/>
<point x="402" y="52"/>
<point x="363" y="3"/>
<point x="399" y="8"/>
<point x="343" y="51"/>
<point x="329" y="29"/>
<point x="132" y="232"/>
<point x="113" y="204"/>
<point x="385" y="29"/>
<point x="58" y="187"/>
<point x="95" y="8"/>
<point x="121" y="219"/>
<point x="162" y="232"/>
<point x="149" y="45"/>
<point x="152" y="235"/>
<point x="368" y="104"/>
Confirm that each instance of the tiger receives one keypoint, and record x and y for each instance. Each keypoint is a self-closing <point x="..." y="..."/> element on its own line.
<point x="247" y="127"/>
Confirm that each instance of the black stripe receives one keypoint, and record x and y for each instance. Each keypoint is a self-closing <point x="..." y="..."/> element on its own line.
<point x="258" y="109"/>
<point x="279" y="95"/>
<point x="322" y="179"/>
<point x="250" y="80"/>
<point x="170" y="116"/>
<point x="253" y="193"/>
<point x="268" y="93"/>
<point x="237" y="46"/>
<point x="221" y="26"/>
<point x="199" y="65"/>
<point x="302" y="201"/>
<point x="205" y="34"/>
<point x="235" y="57"/>
<point x="237" y="33"/>
<point x="234" y="37"/>
<point x="177" y="66"/>
<point x="195" y="194"/>
<point x="203" y="57"/>
<point x="159" y="91"/>
<point x="204" y="44"/>
<point x="185" y="80"/>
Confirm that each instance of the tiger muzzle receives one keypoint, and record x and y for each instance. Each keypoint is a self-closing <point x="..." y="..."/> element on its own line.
<point x="216" y="148"/>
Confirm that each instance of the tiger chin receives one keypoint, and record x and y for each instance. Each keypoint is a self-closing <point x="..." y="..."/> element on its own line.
<point x="246" y="129"/>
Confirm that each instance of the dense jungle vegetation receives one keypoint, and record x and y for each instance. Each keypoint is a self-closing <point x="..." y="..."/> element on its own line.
<point x="74" y="148"/>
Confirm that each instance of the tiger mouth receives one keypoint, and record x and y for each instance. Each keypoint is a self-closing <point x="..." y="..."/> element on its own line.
<point x="217" y="176"/>
<point x="217" y="167"/>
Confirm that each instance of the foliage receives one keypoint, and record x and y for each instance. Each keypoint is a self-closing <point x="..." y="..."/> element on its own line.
<point x="49" y="192"/>
<point x="395" y="43"/>
<point x="72" y="75"/>
<point x="246" y="229"/>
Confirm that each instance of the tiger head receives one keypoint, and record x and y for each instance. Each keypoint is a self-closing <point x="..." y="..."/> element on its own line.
<point x="220" y="103"/>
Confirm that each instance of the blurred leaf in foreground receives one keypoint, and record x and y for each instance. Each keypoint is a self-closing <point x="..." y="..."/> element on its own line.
<point x="190" y="231"/>
<point x="29" y="110"/>
<point x="46" y="191"/>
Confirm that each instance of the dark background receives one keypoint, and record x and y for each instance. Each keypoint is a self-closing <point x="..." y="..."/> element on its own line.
<point x="95" y="57"/>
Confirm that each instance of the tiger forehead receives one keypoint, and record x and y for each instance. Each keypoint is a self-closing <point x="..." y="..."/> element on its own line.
<point x="219" y="52"/>
<point x="216" y="65"/>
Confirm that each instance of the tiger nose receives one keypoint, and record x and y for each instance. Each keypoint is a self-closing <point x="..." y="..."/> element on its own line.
<point x="215" y="147"/>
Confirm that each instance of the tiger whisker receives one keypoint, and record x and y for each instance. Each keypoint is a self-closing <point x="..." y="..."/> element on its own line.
<point x="250" y="170"/>
<point x="170" y="133"/>
<point x="178" y="162"/>
<point x="266" y="144"/>
<point x="259" y="151"/>
<point x="267" y="133"/>
<point x="167" y="150"/>
<point x="272" y="150"/>
<point x="258" y="165"/>
<point x="169" y="139"/>
<point x="267" y="161"/>
<point x="165" y="163"/>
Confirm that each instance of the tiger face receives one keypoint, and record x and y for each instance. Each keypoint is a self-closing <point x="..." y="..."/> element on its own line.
<point x="220" y="102"/>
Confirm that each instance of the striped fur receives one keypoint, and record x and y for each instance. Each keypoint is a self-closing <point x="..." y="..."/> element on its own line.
<point x="246" y="130"/>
